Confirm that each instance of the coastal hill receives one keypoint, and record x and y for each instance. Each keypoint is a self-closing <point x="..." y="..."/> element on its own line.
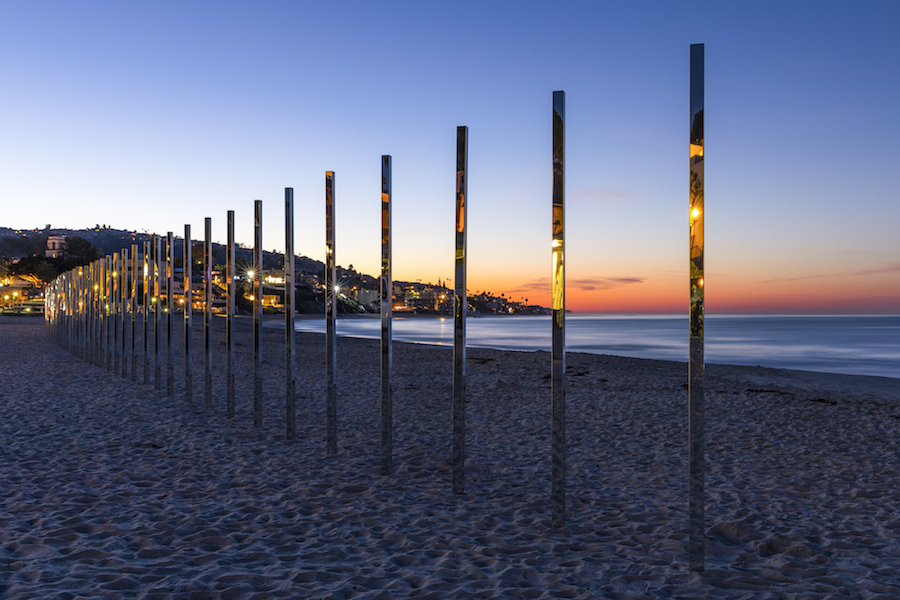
<point x="22" y="253"/>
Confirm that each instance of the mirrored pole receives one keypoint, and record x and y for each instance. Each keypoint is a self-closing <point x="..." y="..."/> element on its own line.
<point x="95" y="313"/>
<point x="134" y="309"/>
<point x="257" y="314"/>
<point x="696" y="400"/>
<point x="123" y="283"/>
<point x="92" y="308"/>
<point x="207" y="312"/>
<point x="86" y="302"/>
<point x="91" y="301"/>
<point x="73" y="320"/>
<point x="145" y="280"/>
<point x="71" y="313"/>
<point x="89" y="312"/>
<point x="558" y="327"/>
<point x="157" y="307"/>
<point x="84" y="279"/>
<point x="100" y="282"/>
<point x="387" y="403"/>
<point x="170" y="314"/>
<point x="187" y="262"/>
<point x="229" y="324"/>
<point x="98" y="313"/>
<point x="78" y="310"/>
<point x="110" y="311"/>
<point x="460" y="305"/>
<point x="331" y="291"/>
<point x="289" y="345"/>
<point x="68" y="293"/>
<point x="78" y="307"/>
<point x="84" y="285"/>
<point x="100" y="346"/>
<point x="102" y="320"/>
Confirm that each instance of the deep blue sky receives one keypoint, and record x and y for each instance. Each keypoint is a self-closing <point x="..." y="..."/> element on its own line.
<point x="155" y="115"/>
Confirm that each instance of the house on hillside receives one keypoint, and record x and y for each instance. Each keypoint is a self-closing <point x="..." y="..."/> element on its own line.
<point x="54" y="246"/>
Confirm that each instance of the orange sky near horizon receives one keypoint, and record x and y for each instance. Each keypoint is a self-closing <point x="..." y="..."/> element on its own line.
<point x="836" y="293"/>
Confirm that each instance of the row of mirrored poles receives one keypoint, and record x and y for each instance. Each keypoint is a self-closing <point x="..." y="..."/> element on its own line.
<point x="93" y="311"/>
<point x="119" y="312"/>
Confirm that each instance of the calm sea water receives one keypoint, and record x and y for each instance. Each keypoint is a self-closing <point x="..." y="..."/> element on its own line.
<point x="863" y="345"/>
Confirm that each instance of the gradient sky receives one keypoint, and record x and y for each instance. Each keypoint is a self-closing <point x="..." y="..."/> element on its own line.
<point x="147" y="116"/>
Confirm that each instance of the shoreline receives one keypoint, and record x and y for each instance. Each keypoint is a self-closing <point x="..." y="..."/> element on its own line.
<point x="116" y="490"/>
<point x="278" y="324"/>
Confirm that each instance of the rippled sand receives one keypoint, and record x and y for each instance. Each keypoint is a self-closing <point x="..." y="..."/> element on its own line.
<point x="114" y="490"/>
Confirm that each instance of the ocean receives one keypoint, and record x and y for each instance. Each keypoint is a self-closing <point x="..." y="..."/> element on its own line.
<point x="860" y="345"/>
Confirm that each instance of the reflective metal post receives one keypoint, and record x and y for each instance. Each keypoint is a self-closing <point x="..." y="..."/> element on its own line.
<point x="229" y="325"/>
<point x="187" y="300"/>
<point x="696" y="410"/>
<point x="79" y="312"/>
<point x="134" y="307"/>
<point x="170" y="314"/>
<point x="90" y="301"/>
<point x="84" y="286"/>
<point x="558" y="360"/>
<point x="207" y="312"/>
<point x="109" y="303"/>
<point x="67" y="292"/>
<point x="89" y="312"/>
<point x="331" y="300"/>
<point x="71" y="313"/>
<point x="157" y="308"/>
<point x="145" y="279"/>
<point x="123" y="283"/>
<point x="100" y="284"/>
<point x="92" y="312"/>
<point x="289" y="346"/>
<point x="98" y="314"/>
<point x="387" y="403"/>
<point x="257" y="313"/>
<point x="460" y="305"/>
<point x="101" y="311"/>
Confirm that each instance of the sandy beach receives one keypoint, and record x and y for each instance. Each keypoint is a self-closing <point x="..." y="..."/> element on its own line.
<point x="111" y="489"/>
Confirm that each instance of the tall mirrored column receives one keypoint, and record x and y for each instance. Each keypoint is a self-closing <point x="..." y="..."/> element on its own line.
<point x="387" y="406"/>
<point x="157" y="307"/>
<point x="114" y="296"/>
<point x="170" y="314"/>
<point x="187" y="262"/>
<point x="207" y="313"/>
<point x="134" y="310"/>
<point x="331" y="300"/>
<point x="257" y="313"/>
<point x="558" y="327"/>
<point x="696" y="409"/>
<point x="145" y="282"/>
<point x="460" y="305"/>
<point x="91" y="297"/>
<point x="123" y="306"/>
<point x="229" y="323"/>
<point x="109" y="303"/>
<point x="290" y="376"/>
